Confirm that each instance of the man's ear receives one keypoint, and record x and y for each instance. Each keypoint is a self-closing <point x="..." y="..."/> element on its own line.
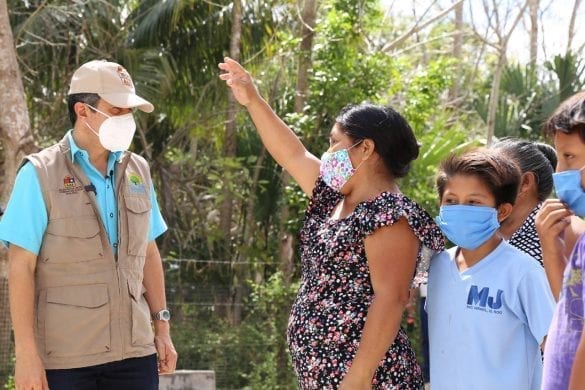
<point x="81" y="110"/>
<point x="504" y="211"/>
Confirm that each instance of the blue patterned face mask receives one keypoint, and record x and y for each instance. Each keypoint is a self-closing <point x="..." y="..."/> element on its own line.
<point x="468" y="226"/>
<point x="569" y="190"/>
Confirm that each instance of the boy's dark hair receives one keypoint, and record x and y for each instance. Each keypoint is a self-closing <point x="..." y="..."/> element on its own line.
<point x="497" y="171"/>
<point x="535" y="157"/>
<point x="569" y="117"/>
<point x="88" y="98"/>
<point x="393" y="137"/>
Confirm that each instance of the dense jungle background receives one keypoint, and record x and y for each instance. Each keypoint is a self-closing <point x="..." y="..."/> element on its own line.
<point x="462" y="72"/>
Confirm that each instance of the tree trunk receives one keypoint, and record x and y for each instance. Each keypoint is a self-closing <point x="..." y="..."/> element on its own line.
<point x="533" y="7"/>
<point x="250" y="227"/>
<point x="286" y="243"/>
<point x="309" y="16"/>
<point x="495" y="91"/>
<point x="226" y="209"/>
<point x="571" y="32"/>
<point x="495" y="97"/>
<point x="457" y="50"/>
<point x="17" y="141"/>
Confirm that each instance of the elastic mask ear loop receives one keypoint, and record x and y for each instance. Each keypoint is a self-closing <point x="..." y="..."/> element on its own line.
<point x="101" y="112"/>
<point x="92" y="130"/>
<point x="356" y="144"/>
<point x="87" y="124"/>
<point x="363" y="161"/>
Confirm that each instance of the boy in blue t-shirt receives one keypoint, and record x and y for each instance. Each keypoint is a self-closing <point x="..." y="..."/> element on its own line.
<point x="489" y="304"/>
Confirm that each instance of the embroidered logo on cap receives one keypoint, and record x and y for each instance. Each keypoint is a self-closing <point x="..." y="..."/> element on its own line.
<point x="124" y="77"/>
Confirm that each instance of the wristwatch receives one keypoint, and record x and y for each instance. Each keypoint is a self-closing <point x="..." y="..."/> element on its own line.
<point x="163" y="315"/>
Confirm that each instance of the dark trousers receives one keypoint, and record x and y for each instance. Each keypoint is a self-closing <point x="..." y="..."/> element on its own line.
<point x="128" y="374"/>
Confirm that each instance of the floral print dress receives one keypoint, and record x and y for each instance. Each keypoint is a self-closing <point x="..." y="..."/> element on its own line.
<point x="330" y="310"/>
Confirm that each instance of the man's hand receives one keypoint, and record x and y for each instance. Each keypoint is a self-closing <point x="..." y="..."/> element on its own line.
<point x="30" y="373"/>
<point x="167" y="355"/>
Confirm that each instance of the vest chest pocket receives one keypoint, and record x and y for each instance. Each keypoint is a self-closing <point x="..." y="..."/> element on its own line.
<point x="77" y="320"/>
<point x="70" y="240"/>
<point x="138" y="212"/>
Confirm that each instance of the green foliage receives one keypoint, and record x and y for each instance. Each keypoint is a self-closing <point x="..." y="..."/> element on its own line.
<point x="10" y="385"/>
<point x="526" y="100"/>
<point x="8" y="377"/>
<point x="268" y="320"/>
<point x="250" y="355"/>
<point x="431" y="123"/>
<point x="424" y="91"/>
<point x="570" y="71"/>
<point x="343" y="69"/>
<point x="436" y="144"/>
<point x="522" y="104"/>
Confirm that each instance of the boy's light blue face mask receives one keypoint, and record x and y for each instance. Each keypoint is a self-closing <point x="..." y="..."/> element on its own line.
<point x="466" y="226"/>
<point x="568" y="189"/>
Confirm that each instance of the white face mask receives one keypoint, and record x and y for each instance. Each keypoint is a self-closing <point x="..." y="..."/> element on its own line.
<point x="116" y="132"/>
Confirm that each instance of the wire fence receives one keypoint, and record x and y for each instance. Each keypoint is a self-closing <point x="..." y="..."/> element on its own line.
<point x="212" y="323"/>
<point x="233" y="327"/>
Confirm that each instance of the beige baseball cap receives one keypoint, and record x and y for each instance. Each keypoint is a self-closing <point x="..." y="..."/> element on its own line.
<point x="111" y="82"/>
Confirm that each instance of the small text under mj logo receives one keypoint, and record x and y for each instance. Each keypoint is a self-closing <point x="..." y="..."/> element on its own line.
<point x="481" y="299"/>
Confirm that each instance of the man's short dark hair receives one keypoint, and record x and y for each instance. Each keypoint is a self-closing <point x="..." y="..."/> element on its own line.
<point x="88" y="98"/>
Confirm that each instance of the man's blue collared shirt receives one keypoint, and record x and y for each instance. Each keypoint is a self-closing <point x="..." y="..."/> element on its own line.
<point x="25" y="219"/>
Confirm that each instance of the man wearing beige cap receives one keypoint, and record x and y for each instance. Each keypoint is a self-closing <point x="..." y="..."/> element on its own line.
<point x="86" y="277"/>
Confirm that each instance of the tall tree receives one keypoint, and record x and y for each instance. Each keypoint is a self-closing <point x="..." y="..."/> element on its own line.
<point x="457" y="50"/>
<point x="308" y="17"/>
<point x="16" y="141"/>
<point x="226" y="212"/>
<point x="230" y="124"/>
<point x="533" y="6"/>
<point x="497" y="26"/>
<point x="571" y="30"/>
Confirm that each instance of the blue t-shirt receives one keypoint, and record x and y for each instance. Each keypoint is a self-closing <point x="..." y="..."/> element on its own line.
<point x="25" y="219"/>
<point x="486" y="323"/>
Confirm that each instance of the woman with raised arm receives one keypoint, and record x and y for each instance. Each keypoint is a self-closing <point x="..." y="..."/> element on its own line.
<point x="363" y="244"/>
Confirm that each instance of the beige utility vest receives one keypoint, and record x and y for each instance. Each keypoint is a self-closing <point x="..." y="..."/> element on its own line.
<point x="90" y="305"/>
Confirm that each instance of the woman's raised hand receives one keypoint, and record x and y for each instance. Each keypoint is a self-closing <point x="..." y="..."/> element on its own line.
<point x="239" y="80"/>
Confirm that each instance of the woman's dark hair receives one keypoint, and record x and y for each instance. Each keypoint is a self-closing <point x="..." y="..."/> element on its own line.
<point x="569" y="117"/>
<point x="495" y="169"/>
<point x="393" y="138"/>
<point x="88" y="98"/>
<point x="535" y="157"/>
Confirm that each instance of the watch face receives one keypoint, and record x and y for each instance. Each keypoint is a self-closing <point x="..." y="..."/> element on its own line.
<point x="165" y="315"/>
